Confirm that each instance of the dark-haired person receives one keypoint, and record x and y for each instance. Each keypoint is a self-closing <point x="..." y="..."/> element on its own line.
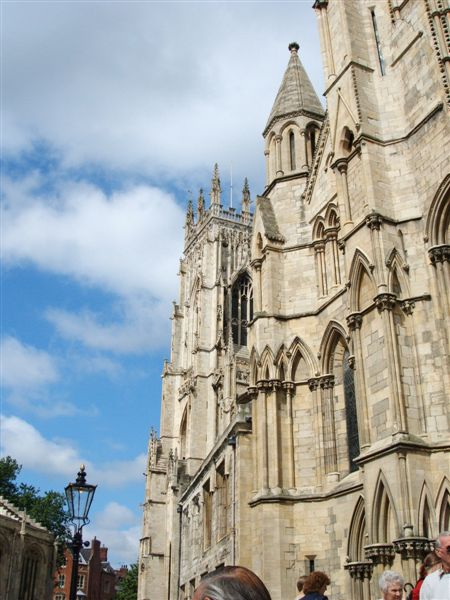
<point x="315" y="586"/>
<point x="300" y="582"/>
<point x="231" y="583"/>
<point x="431" y="562"/>
<point x="437" y="585"/>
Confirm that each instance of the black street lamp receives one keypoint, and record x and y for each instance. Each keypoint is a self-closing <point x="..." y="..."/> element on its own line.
<point x="79" y="496"/>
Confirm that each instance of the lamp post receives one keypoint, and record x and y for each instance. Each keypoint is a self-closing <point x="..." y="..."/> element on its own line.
<point x="79" y="496"/>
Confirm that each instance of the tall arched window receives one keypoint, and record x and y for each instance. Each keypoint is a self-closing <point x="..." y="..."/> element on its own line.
<point x="241" y="309"/>
<point x="350" y="411"/>
<point x="292" y="150"/>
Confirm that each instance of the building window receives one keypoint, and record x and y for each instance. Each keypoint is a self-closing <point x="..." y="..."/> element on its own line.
<point x="207" y="515"/>
<point x="241" y="309"/>
<point x="80" y="582"/>
<point x="292" y="150"/>
<point x="61" y="580"/>
<point x="377" y="42"/>
<point x="222" y="501"/>
<point x="28" y="577"/>
<point x="350" y="412"/>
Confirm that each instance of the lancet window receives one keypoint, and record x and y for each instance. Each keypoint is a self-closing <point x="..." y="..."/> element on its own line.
<point x="241" y="309"/>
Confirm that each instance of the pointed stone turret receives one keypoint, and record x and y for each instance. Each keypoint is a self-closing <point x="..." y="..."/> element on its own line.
<point x="296" y="94"/>
<point x="215" y="187"/>
<point x="189" y="217"/>
<point x="246" y="198"/>
<point x="200" y="205"/>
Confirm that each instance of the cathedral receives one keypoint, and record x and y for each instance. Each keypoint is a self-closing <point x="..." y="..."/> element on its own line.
<point x="305" y="414"/>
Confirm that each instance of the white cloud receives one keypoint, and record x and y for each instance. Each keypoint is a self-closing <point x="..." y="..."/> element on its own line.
<point x="24" y="367"/>
<point x="126" y="243"/>
<point x="155" y="87"/>
<point x="119" y="529"/>
<point x="23" y="441"/>
<point x="61" y="457"/>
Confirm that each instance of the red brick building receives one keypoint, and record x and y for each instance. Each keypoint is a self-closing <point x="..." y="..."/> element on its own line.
<point x="97" y="580"/>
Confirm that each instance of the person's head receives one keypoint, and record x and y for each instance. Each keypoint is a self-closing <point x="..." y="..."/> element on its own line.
<point x="300" y="582"/>
<point x="391" y="585"/>
<point x="231" y="583"/>
<point x="443" y="549"/>
<point x="316" y="581"/>
<point x="430" y="563"/>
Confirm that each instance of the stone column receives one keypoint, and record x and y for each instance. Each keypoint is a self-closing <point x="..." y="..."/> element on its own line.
<point x="354" y="322"/>
<point x="331" y="235"/>
<point x="279" y="164"/>
<point x="273" y="437"/>
<point x="319" y="250"/>
<point x="289" y="387"/>
<point x="257" y="296"/>
<point x="314" y="386"/>
<point x="374" y="222"/>
<point x="385" y="303"/>
<point x="342" y="185"/>
<point x="268" y="174"/>
<point x="263" y="435"/>
<point x="440" y="259"/>
<point x="321" y="11"/>
<point x="327" y="387"/>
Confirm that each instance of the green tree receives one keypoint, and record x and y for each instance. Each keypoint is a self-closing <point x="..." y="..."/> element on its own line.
<point x="47" y="508"/>
<point x="129" y="586"/>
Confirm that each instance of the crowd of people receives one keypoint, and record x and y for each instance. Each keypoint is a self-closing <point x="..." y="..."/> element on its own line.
<point x="239" y="583"/>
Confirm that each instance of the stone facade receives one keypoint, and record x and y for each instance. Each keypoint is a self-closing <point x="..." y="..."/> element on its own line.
<point x="27" y="556"/>
<point x="305" y="409"/>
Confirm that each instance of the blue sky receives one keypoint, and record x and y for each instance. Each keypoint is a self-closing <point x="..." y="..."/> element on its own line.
<point x="113" y="114"/>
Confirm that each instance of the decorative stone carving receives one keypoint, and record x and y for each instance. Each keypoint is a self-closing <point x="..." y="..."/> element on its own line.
<point x="374" y="221"/>
<point x="407" y="306"/>
<point x="413" y="547"/>
<point x="313" y="383"/>
<point x="189" y="385"/>
<point x="380" y="553"/>
<point x="326" y="381"/>
<point x="354" y="321"/>
<point x="359" y="570"/>
<point x="439" y="254"/>
<point x="385" y="301"/>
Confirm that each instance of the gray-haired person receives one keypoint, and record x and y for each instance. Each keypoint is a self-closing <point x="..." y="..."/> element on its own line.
<point x="391" y="585"/>
<point x="437" y="585"/>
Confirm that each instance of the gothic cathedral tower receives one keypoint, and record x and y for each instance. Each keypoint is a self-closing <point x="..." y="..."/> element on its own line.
<point x="305" y="413"/>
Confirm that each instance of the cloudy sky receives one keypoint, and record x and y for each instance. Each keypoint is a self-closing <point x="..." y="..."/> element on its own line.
<point x="112" y="115"/>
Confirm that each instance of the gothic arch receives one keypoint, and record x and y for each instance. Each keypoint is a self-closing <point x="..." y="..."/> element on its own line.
<point x="182" y="436"/>
<point x="281" y="363"/>
<point x="362" y="283"/>
<point x="443" y="505"/>
<point x="299" y="348"/>
<point x="385" y="526"/>
<point x="357" y="532"/>
<point x="333" y="333"/>
<point x="397" y="270"/>
<point x="438" y="221"/>
<point x="426" y="514"/>
<point x="319" y="229"/>
<point x="267" y="370"/>
<point x="255" y="363"/>
<point x="332" y="215"/>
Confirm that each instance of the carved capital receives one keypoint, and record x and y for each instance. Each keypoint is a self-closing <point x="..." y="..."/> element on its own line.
<point x="319" y="246"/>
<point x="383" y="554"/>
<point x="327" y="381"/>
<point x="439" y="254"/>
<point x="288" y="385"/>
<point x="413" y="547"/>
<point x="341" y="246"/>
<point x="351" y="362"/>
<point x="385" y="301"/>
<point x="313" y="383"/>
<point x="256" y="264"/>
<point x="374" y="221"/>
<point x="341" y="165"/>
<point x="252" y="392"/>
<point x="354" y="321"/>
<point x="359" y="570"/>
<point x="407" y="306"/>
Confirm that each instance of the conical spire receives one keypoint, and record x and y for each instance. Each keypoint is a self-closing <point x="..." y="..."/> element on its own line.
<point x="296" y="93"/>
<point x="215" y="187"/>
<point x="246" y="197"/>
